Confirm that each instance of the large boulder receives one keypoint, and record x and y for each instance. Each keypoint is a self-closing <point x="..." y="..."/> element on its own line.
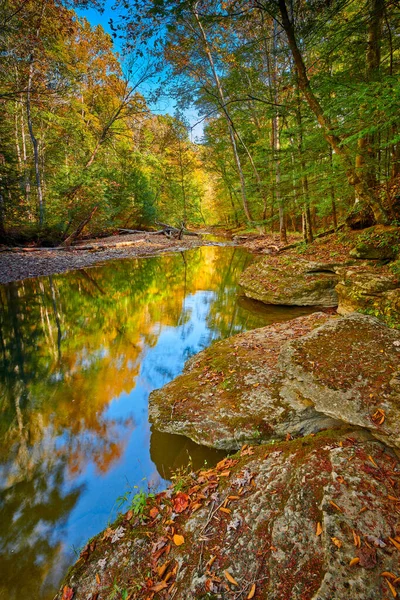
<point x="371" y="290"/>
<point x="282" y="280"/>
<point x="349" y="369"/>
<point x="313" y="519"/>
<point x="229" y="394"/>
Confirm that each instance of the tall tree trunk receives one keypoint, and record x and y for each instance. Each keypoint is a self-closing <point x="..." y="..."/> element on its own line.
<point x="34" y="141"/>
<point x="332" y="190"/>
<point x="365" y="193"/>
<point x="366" y="158"/>
<point x="225" y="112"/>
<point x="276" y="137"/>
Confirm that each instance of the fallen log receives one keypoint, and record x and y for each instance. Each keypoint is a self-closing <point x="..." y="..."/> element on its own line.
<point x="75" y="234"/>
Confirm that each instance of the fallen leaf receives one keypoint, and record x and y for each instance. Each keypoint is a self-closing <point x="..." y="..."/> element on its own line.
<point x="391" y="588"/>
<point x="337" y="542"/>
<point x="210" y="562"/>
<point x="373" y="462"/>
<point x="335" y="506"/>
<point x="196" y="507"/>
<point x="225" y="510"/>
<point x="388" y="574"/>
<point x="354" y="561"/>
<point x="129" y="515"/>
<point x="319" y="529"/>
<point x="395" y="543"/>
<point x="98" y="580"/>
<point x="252" y="592"/>
<point x="357" y="539"/>
<point x="154" y="512"/>
<point x="159" y="587"/>
<point x="180" y="502"/>
<point x="68" y="593"/>
<point x="230" y="578"/>
<point x="178" y="540"/>
<point x="161" y="570"/>
<point x="225" y="474"/>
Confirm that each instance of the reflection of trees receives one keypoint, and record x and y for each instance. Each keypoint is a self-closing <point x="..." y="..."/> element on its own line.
<point x="32" y="504"/>
<point x="170" y="452"/>
<point x="68" y="345"/>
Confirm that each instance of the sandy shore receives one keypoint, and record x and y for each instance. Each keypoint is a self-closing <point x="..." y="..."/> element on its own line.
<point x="16" y="264"/>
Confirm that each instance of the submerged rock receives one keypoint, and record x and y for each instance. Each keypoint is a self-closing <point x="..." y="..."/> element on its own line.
<point x="349" y="369"/>
<point x="367" y="289"/>
<point x="279" y="280"/>
<point x="313" y="519"/>
<point x="229" y="394"/>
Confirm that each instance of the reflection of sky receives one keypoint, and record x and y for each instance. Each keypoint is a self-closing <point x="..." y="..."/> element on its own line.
<point x="93" y="462"/>
<point x="159" y="365"/>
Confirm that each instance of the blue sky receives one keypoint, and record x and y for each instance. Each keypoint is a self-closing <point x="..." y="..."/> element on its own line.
<point x="164" y="105"/>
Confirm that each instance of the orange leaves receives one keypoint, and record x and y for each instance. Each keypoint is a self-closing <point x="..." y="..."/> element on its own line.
<point x="395" y="543"/>
<point x="335" y="506"/>
<point x="391" y="588"/>
<point x="180" y="502"/>
<point x="354" y="561"/>
<point x="68" y="593"/>
<point x="159" y="587"/>
<point x="230" y="578"/>
<point x="378" y="417"/>
<point x="252" y="592"/>
<point x="319" y="529"/>
<point x="357" y="539"/>
<point x="246" y="451"/>
<point x="338" y="543"/>
<point x="154" y="512"/>
<point x="178" y="540"/>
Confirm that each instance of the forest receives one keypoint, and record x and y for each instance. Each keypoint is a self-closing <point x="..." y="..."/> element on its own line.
<point x="299" y="102"/>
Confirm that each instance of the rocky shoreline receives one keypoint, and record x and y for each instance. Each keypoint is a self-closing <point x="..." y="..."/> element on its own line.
<point x="16" y="265"/>
<point x="309" y="506"/>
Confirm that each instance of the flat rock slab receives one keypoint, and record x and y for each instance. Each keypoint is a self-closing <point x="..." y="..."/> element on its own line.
<point x="279" y="280"/>
<point x="349" y="369"/>
<point x="312" y="519"/>
<point x="229" y="394"/>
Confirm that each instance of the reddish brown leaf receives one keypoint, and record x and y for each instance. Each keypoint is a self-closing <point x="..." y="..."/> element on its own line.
<point x="68" y="593"/>
<point x="180" y="502"/>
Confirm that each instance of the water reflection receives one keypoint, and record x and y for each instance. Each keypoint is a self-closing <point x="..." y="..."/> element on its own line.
<point x="79" y="355"/>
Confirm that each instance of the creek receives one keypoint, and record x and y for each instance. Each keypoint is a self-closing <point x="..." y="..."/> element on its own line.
<point x="79" y="354"/>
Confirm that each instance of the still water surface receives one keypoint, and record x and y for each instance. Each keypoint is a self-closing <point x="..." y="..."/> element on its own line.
<point x="79" y="355"/>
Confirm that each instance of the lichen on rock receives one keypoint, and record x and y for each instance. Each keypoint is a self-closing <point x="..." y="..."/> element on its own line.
<point x="346" y="369"/>
<point x="304" y="520"/>
<point x="299" y="282"/>
<point x="229" y="394"/>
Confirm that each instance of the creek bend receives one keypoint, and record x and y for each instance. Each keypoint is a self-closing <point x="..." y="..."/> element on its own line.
<point x="79" y="355"/>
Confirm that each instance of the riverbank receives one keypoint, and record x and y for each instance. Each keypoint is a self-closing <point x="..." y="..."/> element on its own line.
<point x="317" y="516"/>
<point x="16" y="265"/>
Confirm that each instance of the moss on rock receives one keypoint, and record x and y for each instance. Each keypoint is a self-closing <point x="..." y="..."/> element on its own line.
<point x="288" y="518"/>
